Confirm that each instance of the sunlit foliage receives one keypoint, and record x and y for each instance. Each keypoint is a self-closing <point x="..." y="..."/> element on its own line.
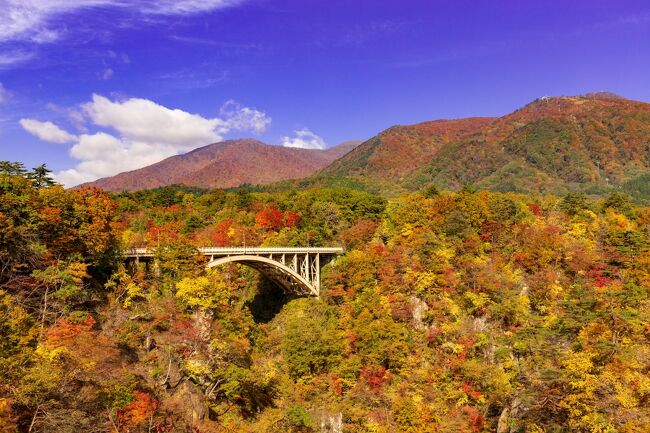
<point x="470" y="311"/>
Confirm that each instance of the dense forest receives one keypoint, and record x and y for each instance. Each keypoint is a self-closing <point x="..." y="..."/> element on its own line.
<point x="595" y="143"/>
<point x="467" y="311"/>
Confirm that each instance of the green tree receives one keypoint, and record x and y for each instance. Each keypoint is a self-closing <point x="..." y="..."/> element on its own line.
<point x="312" y="344"/>
<point x="620" y="202"/>
<point x="40" y="177"/>
<point x="573" y="203"/>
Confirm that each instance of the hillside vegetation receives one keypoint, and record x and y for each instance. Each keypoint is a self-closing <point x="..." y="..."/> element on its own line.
<point x="227" y="164"/>
<point x="449" y="312"/>
<point x="596" y="143"/>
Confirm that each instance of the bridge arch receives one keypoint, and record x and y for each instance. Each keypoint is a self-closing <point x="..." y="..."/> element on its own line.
<point x="287" y="278"/>
<point x="295" y="269"/>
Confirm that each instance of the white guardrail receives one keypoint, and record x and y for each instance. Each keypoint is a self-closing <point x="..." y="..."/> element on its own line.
<point x="209" y="251"/>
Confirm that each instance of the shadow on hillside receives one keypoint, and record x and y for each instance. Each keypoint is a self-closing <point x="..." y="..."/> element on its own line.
<point x="268" y="301"/>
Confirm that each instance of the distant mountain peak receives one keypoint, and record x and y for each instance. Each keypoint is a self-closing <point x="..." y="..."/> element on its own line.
<point x="604" y="96"/>
<point x="554" y="106"/>
<point x="597" y="96"/>
<point x="596" y="142"/>
<point x="227" y="164"/>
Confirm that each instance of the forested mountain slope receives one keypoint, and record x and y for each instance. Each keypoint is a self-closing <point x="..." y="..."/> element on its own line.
<point x="227" y="164"/>
<point x="449" y="312"/>
<point x="596" y="143"/>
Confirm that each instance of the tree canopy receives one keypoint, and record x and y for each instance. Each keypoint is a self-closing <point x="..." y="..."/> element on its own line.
<point x="468" y="311"/>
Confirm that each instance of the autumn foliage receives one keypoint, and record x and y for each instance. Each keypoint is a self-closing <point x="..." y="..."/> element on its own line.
<point x="468" y="311"/>
<point x="271" y="218"/>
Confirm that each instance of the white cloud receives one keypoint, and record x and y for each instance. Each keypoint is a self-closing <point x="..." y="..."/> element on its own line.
<point x="103" y="155"/>
<point x="107" y="74"/>
<point x="74" y="115"/>
<point x="120" y="58"/>
<point x="4" y="94"/>
<point x="47" y="131"/>
<point x="240" y="117"/>
<point x="11" y="58"/>
<point x="185" y="7"/>
<point x="304" y="139"/>
<point x="28" y="19"/>
<point x="101" y="146"/>
<point x="144" y="132"/>
<point x="144" y="120"/>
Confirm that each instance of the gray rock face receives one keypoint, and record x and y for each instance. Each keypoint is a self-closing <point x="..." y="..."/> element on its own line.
<point x="332" y="423"/>
<point x="419" y="310"/>
<point x="187" y="400"/>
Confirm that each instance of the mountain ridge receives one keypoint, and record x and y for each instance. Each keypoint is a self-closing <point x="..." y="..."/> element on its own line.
<point x="226" y="164"/>
<point x="594" y="143"/>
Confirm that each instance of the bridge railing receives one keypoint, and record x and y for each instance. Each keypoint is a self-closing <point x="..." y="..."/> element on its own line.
<point x="144" y="252"/>
<point x="271" y="250"/>
<point x="132" y="252"/>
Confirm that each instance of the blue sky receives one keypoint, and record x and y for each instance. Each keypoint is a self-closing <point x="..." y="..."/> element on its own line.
<point x="94" y="87"/>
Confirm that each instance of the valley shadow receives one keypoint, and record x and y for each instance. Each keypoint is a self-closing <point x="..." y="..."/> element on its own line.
<point x="268" y="301"/>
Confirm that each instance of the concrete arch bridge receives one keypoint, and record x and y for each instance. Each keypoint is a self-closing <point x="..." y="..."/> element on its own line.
<point x="296" y="270"/>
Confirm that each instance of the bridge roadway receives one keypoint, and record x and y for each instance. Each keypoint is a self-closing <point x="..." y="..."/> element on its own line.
<point x="296" y="270"/>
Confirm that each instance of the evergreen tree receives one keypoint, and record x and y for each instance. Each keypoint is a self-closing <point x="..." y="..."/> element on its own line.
<point x="573" y="202"/>
<point x="40" y="177"/>
<point x="12" y="168"/>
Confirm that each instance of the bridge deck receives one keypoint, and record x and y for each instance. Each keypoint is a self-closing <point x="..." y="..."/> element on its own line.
<point x="295" y="269"/>
<point x="227" y="251"/>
